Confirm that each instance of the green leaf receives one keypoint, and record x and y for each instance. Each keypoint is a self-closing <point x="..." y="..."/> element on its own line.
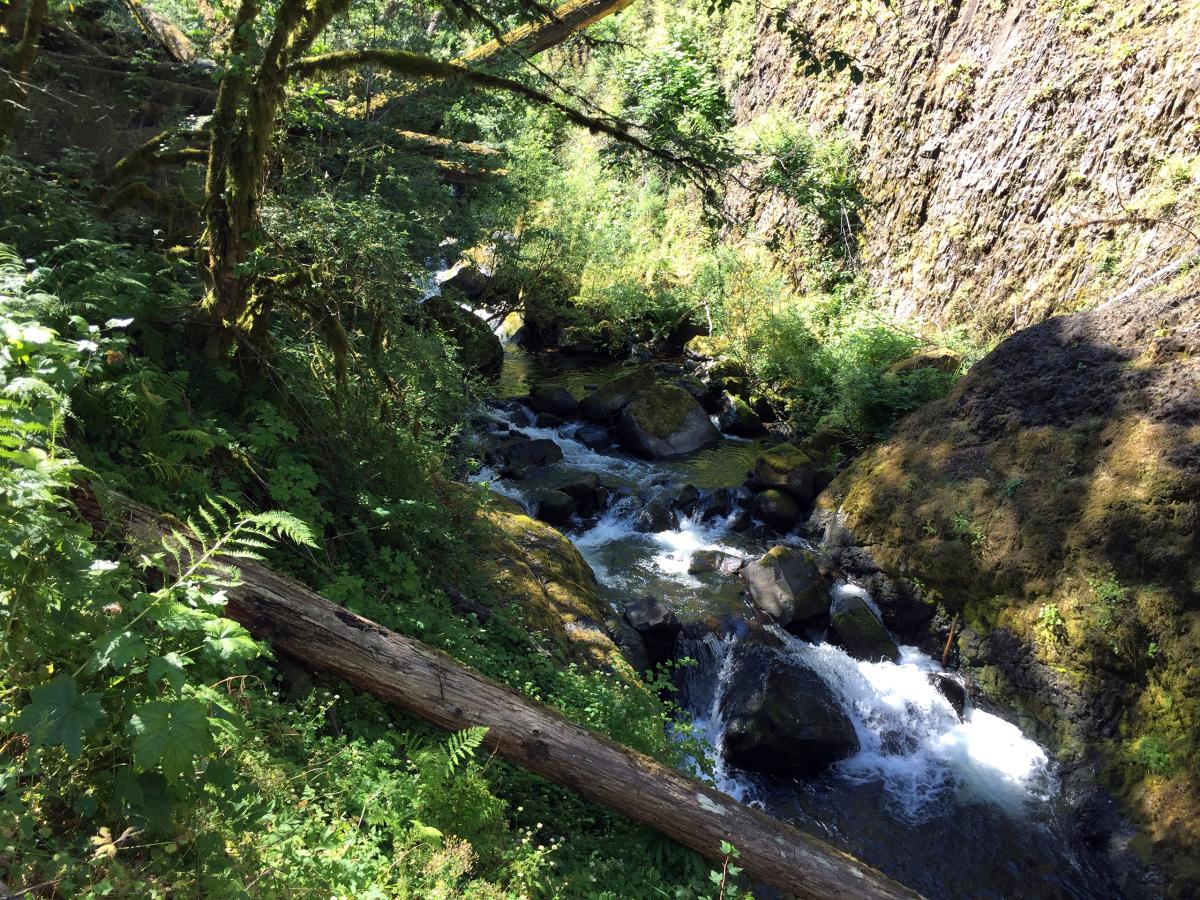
<point x="169" y="667"/>
<point x="117" y="649"/>
<point x="59" y="714"/>
<point x="170" y="735"/>
<point x="230" y="641"/>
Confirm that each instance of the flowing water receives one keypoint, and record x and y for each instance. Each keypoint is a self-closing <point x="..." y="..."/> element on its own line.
<point x="952" y="808"/>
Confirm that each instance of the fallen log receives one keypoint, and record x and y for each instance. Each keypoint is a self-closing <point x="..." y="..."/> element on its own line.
<point x="414" y="676"/>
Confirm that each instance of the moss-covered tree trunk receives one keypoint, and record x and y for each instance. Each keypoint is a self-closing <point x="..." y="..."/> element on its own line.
<point x="18" y="66"/>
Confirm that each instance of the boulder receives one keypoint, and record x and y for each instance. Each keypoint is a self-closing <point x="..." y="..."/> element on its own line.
<point x="609" y="399"/>
<point x="654" y="517"/>
<point x="952" y="689"/>
<point x="554" y="507"/>
<point x="718" y="504"/>
<point x="519" y="455"/>
<point x="785" y="468"/>
<point x="736" y="417"/>
<point x="664" y="421"/>
<point x="553" y="399"/>
<point x="777" y="509"/>
<point x="580" y="487"/>
<point x="470" y="283"/>
<point x="549" y="420"/>
<point x="780" y="717"/>
<point x="702" y="392"/>
<point x="854" y="626"/>
<point x="714" y="561"/>
<point x="658" y="627"/>
<point x="686" y="499"/>
<point x="941" y="359"/>
<point x="478" y="348"/>
<point x="705" y="346"/>
<point x="787" y="585"/>
<point x="594" y="437"/>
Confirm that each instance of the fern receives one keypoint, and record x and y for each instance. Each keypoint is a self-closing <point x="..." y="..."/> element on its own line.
<point x="461" y="746"/>
<point x="222" y="530"/>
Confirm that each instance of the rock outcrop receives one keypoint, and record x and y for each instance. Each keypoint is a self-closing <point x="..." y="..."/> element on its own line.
<point x="1051" y="501"/>
<point x="478" y="348"/>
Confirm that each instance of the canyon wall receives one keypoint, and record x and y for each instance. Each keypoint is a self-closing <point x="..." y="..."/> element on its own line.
<point x="1021" y="159"/>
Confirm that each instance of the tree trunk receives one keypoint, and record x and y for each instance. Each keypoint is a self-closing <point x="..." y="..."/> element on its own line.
<point x="163" y="30"/>
<point x="434" y="686"/>
<point x="19" y="64"/>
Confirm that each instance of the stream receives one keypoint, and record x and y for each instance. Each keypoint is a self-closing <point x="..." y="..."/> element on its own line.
<point x="950" y="807"/>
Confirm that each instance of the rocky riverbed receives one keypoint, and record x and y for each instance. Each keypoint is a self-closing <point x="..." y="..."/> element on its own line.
<point x="816" y="677"/>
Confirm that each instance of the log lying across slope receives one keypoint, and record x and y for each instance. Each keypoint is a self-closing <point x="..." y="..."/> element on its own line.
<point x="425" y="681"/>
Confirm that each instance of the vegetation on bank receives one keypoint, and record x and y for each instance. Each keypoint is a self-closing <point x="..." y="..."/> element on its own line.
<point x="261" y="368"/>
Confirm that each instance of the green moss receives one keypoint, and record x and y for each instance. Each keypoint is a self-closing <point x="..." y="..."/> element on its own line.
<point x="661" y="410"/>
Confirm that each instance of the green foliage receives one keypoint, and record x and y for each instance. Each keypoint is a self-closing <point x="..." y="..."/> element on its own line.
<point x="1051" y="627"/>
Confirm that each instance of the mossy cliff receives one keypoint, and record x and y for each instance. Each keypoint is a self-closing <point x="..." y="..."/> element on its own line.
<point x="1019" y="159"/>
<point x="1052" y="503"/>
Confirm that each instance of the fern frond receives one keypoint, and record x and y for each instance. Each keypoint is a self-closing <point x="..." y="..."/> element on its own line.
<point x="284" y="524"/>
<point x="462" y="745"/>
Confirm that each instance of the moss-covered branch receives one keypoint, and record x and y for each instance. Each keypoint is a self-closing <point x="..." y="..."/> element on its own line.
<point x="416" y="65"/>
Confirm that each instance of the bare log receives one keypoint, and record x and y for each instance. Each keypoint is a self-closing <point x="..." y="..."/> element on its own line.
<point x="438" y="688"/>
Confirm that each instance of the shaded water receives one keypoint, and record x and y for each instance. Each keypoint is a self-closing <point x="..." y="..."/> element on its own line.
<point x="952" y="808"/>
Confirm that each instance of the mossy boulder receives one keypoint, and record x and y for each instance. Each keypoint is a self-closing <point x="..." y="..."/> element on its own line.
<point x="787" y="585"/>
<point x="613" y="396"/>
<point x="478" y="348"/>
<point x="663" y="421"/>
<point x="536" y="575"/>
<point x="776" y="509"/>
<point x="1050" y="501"/>
<point x="940" y="359"/>
<point x="856" y="628"/>
<point x="736" y="417"/>
<point x="705" y="346"/>
<point x="786" y="468"/>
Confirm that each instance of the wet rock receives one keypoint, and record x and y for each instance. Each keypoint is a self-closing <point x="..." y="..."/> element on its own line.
<point x="595" y="437"/>
<point x="554" y="507"/>
<point x="780" y="717"/>
<point x="709" y="561"/>
<point x="518" y="456"/>
<point x="940" y="359"/>
<point x="581" y="486"/>
<point x="952" y="689"/>
<point x="549" y="420"/>
<point x="553" y="399"/>
<point x="736" y="417"/>
<point x="664" y="421"/>
<point x="785" y="468"/>
<point x="609" y="399"/>
<point x="658" y="626"/>
<point x="656" y="516"/>
<point x="776" y="509"/>
<point x="702" y="392"/>
<point x="478" y="348"/>
<point x="686" y="499"/>
<point x="787" y="585"/>
<point x="717" y="504"/>
<point x="470" y="283"/>
<point x="854" y="626"/>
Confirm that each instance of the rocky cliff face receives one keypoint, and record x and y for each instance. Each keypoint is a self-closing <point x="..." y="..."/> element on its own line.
<point x="1022" y="158"/>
